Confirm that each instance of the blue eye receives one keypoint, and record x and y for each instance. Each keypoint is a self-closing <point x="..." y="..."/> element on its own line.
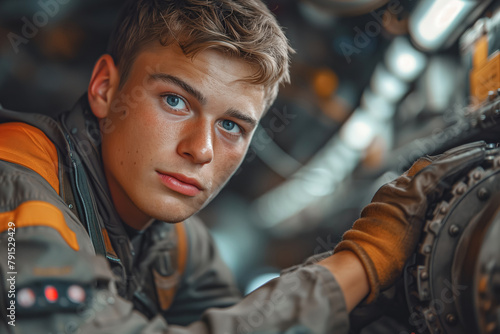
<point x="230" y="126"/>
<point x="175" y="102"/>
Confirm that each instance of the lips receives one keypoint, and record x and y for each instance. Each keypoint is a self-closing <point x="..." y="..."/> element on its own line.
<point x="180" y="183"/>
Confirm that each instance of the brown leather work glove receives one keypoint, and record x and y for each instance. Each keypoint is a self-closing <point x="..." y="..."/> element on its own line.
<point x="389" y="228"/>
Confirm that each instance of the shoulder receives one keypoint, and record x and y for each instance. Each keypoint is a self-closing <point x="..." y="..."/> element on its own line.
<point x="28" y="146"/>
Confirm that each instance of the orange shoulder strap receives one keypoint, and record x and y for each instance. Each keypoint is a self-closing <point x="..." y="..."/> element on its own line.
<point x="166" y="287"/>
<point x="182" y="246"/>
<point x="28" y="146"/>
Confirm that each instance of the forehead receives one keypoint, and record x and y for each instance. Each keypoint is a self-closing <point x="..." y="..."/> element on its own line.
<point x="209" y="69"/>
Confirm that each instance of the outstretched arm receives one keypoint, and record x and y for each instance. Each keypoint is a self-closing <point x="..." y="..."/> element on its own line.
<point x="372" y="255"/>
<point x="350" y="275"/>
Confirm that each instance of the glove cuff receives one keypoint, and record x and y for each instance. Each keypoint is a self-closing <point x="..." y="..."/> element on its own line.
<point x="348" y="245"/>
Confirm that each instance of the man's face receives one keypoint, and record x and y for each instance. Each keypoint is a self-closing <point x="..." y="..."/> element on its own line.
<point x="176" y="132"/>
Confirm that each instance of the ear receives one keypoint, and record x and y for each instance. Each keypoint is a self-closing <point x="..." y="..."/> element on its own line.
<point x="103" y="86"/>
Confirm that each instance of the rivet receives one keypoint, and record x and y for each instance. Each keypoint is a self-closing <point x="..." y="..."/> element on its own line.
<point x="443" y="210"/>
<point x="454" y="230"/>
<point x="483" y="194"/>
<point x="427" y="249"/>
<point x="424" y="275"/>
<point x="70" y="206"/>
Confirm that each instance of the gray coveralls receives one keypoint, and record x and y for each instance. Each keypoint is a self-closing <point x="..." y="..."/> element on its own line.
<point x="168" y="279"/>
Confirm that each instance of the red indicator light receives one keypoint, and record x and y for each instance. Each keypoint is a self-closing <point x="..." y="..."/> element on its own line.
<point x="51" y="294"/>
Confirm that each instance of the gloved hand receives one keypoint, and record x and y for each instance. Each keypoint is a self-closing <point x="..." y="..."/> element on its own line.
<point x="389" y="228"/>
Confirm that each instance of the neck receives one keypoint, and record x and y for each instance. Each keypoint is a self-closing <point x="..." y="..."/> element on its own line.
<point x="128" y="212"/>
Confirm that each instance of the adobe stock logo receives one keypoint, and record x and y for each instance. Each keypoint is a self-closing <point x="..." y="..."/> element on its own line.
<point x="30" y="28"/>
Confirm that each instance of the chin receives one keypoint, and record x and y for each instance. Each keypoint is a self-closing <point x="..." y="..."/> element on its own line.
<point x="171" y="212"/>
<point x="171" y="219"/>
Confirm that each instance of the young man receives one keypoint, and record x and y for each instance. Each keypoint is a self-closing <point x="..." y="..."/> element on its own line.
<point x="95" y="207"/>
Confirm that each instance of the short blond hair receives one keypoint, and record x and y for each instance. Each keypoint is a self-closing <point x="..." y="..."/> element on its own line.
<point x="242" y="28"/>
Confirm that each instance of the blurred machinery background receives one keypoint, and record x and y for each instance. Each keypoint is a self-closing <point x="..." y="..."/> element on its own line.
<point x="375" y="85"/>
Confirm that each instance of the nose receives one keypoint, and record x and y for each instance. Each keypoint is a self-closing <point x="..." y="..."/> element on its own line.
<point x="196" y="143"/>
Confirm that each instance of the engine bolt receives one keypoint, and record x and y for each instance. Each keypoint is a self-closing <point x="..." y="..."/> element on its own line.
<point x="483" y="194"/>
<point x="454" y="230"/>
<point x="431" y="317"/>
<point x="427" y="249"/>
<point x="460" y="190"/>
<point x="424" y="275"/>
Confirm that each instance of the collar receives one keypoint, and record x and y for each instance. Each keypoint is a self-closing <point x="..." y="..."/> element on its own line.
<point x="82" y="128"/>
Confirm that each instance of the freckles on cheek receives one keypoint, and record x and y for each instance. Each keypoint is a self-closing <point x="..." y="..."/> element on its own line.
<point x="133" y="156"/>
<point x="137" y="156"/>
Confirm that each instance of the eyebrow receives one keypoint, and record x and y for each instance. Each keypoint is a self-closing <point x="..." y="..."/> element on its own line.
<point x="199" y="96"/>
<point x="181" y="83"/>
<point x="241" y="116"/>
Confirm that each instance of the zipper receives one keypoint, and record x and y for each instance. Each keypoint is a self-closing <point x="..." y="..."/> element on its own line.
<point x="88" y="214"/>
